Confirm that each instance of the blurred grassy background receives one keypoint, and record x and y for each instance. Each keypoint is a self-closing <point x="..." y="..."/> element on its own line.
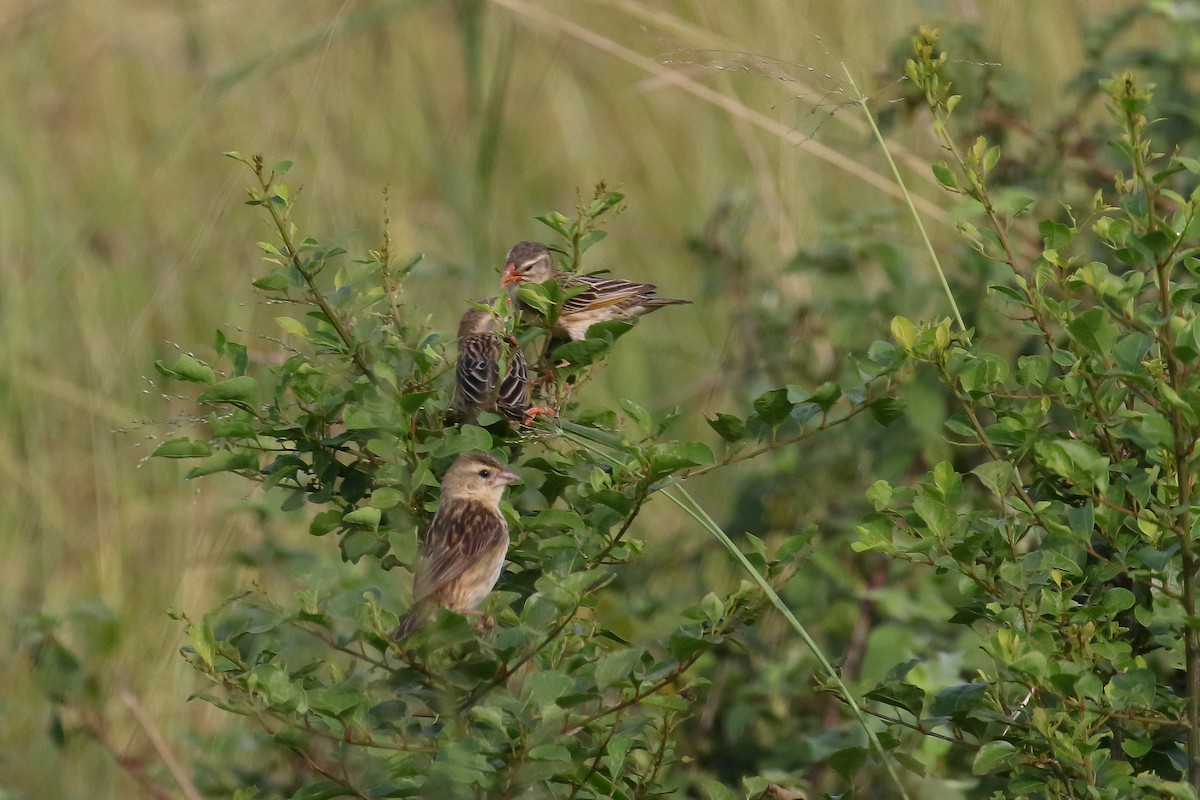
<point x="122" y="236"/>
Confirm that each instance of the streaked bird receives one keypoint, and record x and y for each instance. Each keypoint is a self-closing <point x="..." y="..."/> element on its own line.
<point x="478" y="383"/>
<point x="462" y="553"/>
<point x="592" y="298"/>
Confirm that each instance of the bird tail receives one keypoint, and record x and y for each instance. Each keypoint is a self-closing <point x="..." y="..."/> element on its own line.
<point x="410" y="622"/>
<point x="655" y="302"/>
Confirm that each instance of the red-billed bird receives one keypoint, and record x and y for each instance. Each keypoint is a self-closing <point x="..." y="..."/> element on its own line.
<point x="462" y="552"/>
<point x="597" y="299"/>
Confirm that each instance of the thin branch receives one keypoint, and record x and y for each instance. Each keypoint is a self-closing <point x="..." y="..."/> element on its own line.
<point x="134" y="706"/>
<point x="310" y="278"/>
<point x="509" y="669"/>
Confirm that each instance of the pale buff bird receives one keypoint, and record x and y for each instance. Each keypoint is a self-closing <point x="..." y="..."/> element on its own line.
<point x="462" y="553"/>
<point x="600" y="299"/>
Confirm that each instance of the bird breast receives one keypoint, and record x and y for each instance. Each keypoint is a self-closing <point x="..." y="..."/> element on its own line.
<point x="469" y="590"/>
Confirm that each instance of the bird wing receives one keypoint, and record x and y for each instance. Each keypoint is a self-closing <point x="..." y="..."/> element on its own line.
<point x="601" y="292"/>
<point x="477" y="371"/>
<point x="513" y="397"/>
<point x="460" y="532"/>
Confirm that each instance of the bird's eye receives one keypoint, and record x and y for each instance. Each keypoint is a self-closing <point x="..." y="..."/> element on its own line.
<point x="485" y="473"/>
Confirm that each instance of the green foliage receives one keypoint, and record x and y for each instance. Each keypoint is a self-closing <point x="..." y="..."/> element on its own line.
<point x="1071" y="532"/>
<point x="350" y="427"/>
<point x="347" y="436"/>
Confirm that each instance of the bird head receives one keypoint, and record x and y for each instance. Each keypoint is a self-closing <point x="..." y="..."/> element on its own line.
<point x="477" y="476"/>
<point x="527" y="261"/>
<point x="476" y="321"/>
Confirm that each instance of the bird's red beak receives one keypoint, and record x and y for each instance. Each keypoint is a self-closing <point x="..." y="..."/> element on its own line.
<point x="504" y="477"/>
<point x="511" y="275"/>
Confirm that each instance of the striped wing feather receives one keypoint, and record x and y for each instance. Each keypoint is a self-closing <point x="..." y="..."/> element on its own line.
<point x="513" y="398"/>
<point x="476" y="372"/>
<point x="477" y="376"/>
<point x="460" y="533"/>
<point x="602" y="292"/>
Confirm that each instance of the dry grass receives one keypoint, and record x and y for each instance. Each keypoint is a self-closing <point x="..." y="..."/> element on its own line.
<point x="121" y="232"/>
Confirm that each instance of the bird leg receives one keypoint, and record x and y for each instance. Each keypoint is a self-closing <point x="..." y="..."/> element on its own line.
<point x="486" y="621"/>
<point x="533" y="412"/>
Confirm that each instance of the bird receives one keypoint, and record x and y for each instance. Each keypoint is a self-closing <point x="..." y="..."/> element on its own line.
<point x="463" y="549"/>
<point x="478" y="385"/>
<point x="590" y="298"/>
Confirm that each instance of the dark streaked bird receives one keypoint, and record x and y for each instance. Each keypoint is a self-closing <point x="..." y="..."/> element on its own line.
<point x="478" y="384"/>
<point x="463" y="550"/>
<point x="599" y="298"/>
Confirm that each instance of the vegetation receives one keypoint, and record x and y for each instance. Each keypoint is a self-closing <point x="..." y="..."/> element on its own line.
<point x="960" y="498"/>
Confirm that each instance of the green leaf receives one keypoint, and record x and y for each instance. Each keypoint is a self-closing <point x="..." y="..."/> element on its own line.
<point x="365" y="517"/>
<point x="773" y="407"/>
<point x="1151" y="431"/>
<point x="324" y="790"/>
<point x="887" y="410"/>
<point x="582" y="352"/>
<point x="669" y="457"/>
<point x="557" y="223"/>
<point x="1136" y="748"/>
<point x="997" y="476"/>
<point x="225" y="461"/>
<point x="386" y="497"/>
<point x="543" y="688"/>
<point x="959" y="699"/>
<point x="360" y="542"/>
<point x="203" y="642"/>
<point x="904" y="332"/>
<point x="540" y="296"/>
<point x="848" y="761"/>
<point x="187" y="368"/>
<point x="993" y="756"/>
<point x="326" y="521"/>
<point x="238" y="391"/>
<point x="1074" y="460"/>
<point x="1055" y="235"/>
<point x="900" y="695"/>
<point x="1095" y="331"/>
<point x="411" y="402"/>
<point x="991" y="158"/>
<point x="615" y="666"/>
<point x="826" y="395"/>
<point x="712" y="606"/>
<point x="728" y="427"/>
<point x="607" y="201"/>
<point x="182" y="447"/>
<point x="464" y="440"/>
<point x="1117" y="599"/>
<point x="945" y="176"/>
<point x="274" y="281"/>
<point x="609" y="330"/>
<point x="591" y="238"/>
<point x="1135" y="688"/>
<point x="293" y="326"/>
<point x="335" y="700"/>
<point x="941" y="519"/>
<point x="638" y="415"/>
<point x="715" y="790"/>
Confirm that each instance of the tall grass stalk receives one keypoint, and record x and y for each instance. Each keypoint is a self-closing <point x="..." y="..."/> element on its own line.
<point x="693" y="509"/>
<point x="729" y="104"/>
<point x="861" y="99"/>
<point x="697" y="512"/>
